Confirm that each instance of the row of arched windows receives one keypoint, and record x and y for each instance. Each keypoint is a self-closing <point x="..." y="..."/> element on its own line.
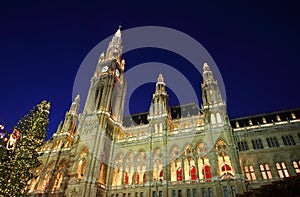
<point x="183" y="165"/>
<point x="266" y="172"/>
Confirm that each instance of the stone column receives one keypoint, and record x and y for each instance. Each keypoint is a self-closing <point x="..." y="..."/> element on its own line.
<point x="197" y="167"/>
<point x="182" y="169"/>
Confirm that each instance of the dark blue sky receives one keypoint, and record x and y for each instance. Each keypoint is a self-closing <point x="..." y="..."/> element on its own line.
<point x="42" y="44"/>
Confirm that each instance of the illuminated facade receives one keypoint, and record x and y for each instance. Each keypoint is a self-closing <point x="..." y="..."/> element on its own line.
<point x="168" y="151"/>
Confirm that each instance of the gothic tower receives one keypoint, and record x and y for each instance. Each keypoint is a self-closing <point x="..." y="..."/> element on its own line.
<point x="159" y="123"/>
<point x="55" y="155"/>
<point x="99" y="123"/>
<point x="223" y="154"/>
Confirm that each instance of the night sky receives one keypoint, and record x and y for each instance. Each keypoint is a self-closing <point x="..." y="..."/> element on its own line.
<point x="255" y="45"/>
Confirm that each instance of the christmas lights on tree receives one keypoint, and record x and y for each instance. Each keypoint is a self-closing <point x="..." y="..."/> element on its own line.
<point x="19" y="156"/>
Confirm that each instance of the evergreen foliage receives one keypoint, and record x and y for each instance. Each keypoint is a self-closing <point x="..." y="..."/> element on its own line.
<point x="18" y="166"/>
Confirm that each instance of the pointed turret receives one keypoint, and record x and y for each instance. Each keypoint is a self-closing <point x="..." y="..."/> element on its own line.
<point x="211" y="94"/>
<point x="115" y="47"/>
<point x="75" y="104"/>
<point x="159" y="105"/>
<point x="214" y="106"/>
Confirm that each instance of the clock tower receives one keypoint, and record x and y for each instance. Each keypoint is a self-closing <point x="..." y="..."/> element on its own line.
<point x="100" y="123"/>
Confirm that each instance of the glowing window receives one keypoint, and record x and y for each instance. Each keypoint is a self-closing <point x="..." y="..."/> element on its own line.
<point x="296" y="166"/>
<point x="265" y="171"/>
<point x="126" y="178"/>
<point x="57" y="181"/>
<point x="206" y="173"/>
<point x="137" y="178"/>
<point x="212" y="119"/>
<point x="179" y="174"/>
<point x="249" y="172"/>
<point x="193" y="173"/>
<point x="282" y="170"/>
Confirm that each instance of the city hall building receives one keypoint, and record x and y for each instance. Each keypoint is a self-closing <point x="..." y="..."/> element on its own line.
<point x="183" y="151"/>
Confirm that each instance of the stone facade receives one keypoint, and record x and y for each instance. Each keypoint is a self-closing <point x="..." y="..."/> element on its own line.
<point x="168" y="151"/>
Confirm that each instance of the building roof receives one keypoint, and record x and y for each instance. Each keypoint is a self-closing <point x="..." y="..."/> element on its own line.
<point x="278" y="116"/>
<point x="179" y="111"/>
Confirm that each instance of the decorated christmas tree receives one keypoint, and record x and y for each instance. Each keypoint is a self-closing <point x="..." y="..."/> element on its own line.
<point x="19" y="158"/>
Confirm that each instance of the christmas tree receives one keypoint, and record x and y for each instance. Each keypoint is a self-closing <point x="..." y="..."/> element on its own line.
<point x="19" y="159"/>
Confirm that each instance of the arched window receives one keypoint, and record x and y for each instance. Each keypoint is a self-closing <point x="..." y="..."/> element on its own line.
<point x="219" y="119"/>
<point x="58" y="180"/>
<point x="179" y="174"/>
<point x="221" y="145"/>
<point x="193" y="173"/>
<point x="249" y="172"/>
<point x="225" y="168"/>
<point x="126" y="177"/>
<point x="265" y="171"/>
<point x="282" y="170"/>
<point x="137" y="178"/>
<point x="45" y="181"/>
<point x="206" y="172"/>
<point x="81" y="168"/>
<point x="296" y="166"/>
<point x="33" y="183"/>
<point x="161" y="175"/>
<point x="202" y="149"/>
<point x="212" y="119"/>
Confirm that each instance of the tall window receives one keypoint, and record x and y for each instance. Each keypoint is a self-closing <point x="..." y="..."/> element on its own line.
<point x="126" y="178"/>
<point x="225" y="190"/>
<point x="210" y="193"/>
<point x="233" y="191"/>
<point x="81" y="167"/>
<point x="282" y="170"/>
<point x="243" y="146"/>
<point x="173" y="193"/>
<point x="257" y="144"/>
<point x="206" y="172"/>
<point x="212" y="119"/>
<point x="203" y="192"/>
<point x="249" y="172"/>
<point x="161" y="175"/>
<point x="179" y="193"/>
<point x="296" y="166"/>
<point x="137" y="178"/>
<point x="193" y="173"/>
<point x="194" y="193"/>
<point x="57" y="181"/>
<point x="265" y="171"/>
<point x="272" y="142"/>
<point x="188" y="193"/>
<point x="179" y="174"/>
<point x="288" y="140"/>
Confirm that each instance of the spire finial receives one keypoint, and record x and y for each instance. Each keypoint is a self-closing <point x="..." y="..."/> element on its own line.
<point x="160" y="78"/>
<point x="118" y="33"/>
<point x="206" y="67"/>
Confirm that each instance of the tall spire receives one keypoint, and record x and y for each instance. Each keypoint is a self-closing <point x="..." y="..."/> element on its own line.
<point x="160" y="85"/>
<point x="210" y="90"/>
<point x="159" y="105"/>
<point x="115" y="47"/>
<point x="75" y="104"/>
<point x="118" y="32"/>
